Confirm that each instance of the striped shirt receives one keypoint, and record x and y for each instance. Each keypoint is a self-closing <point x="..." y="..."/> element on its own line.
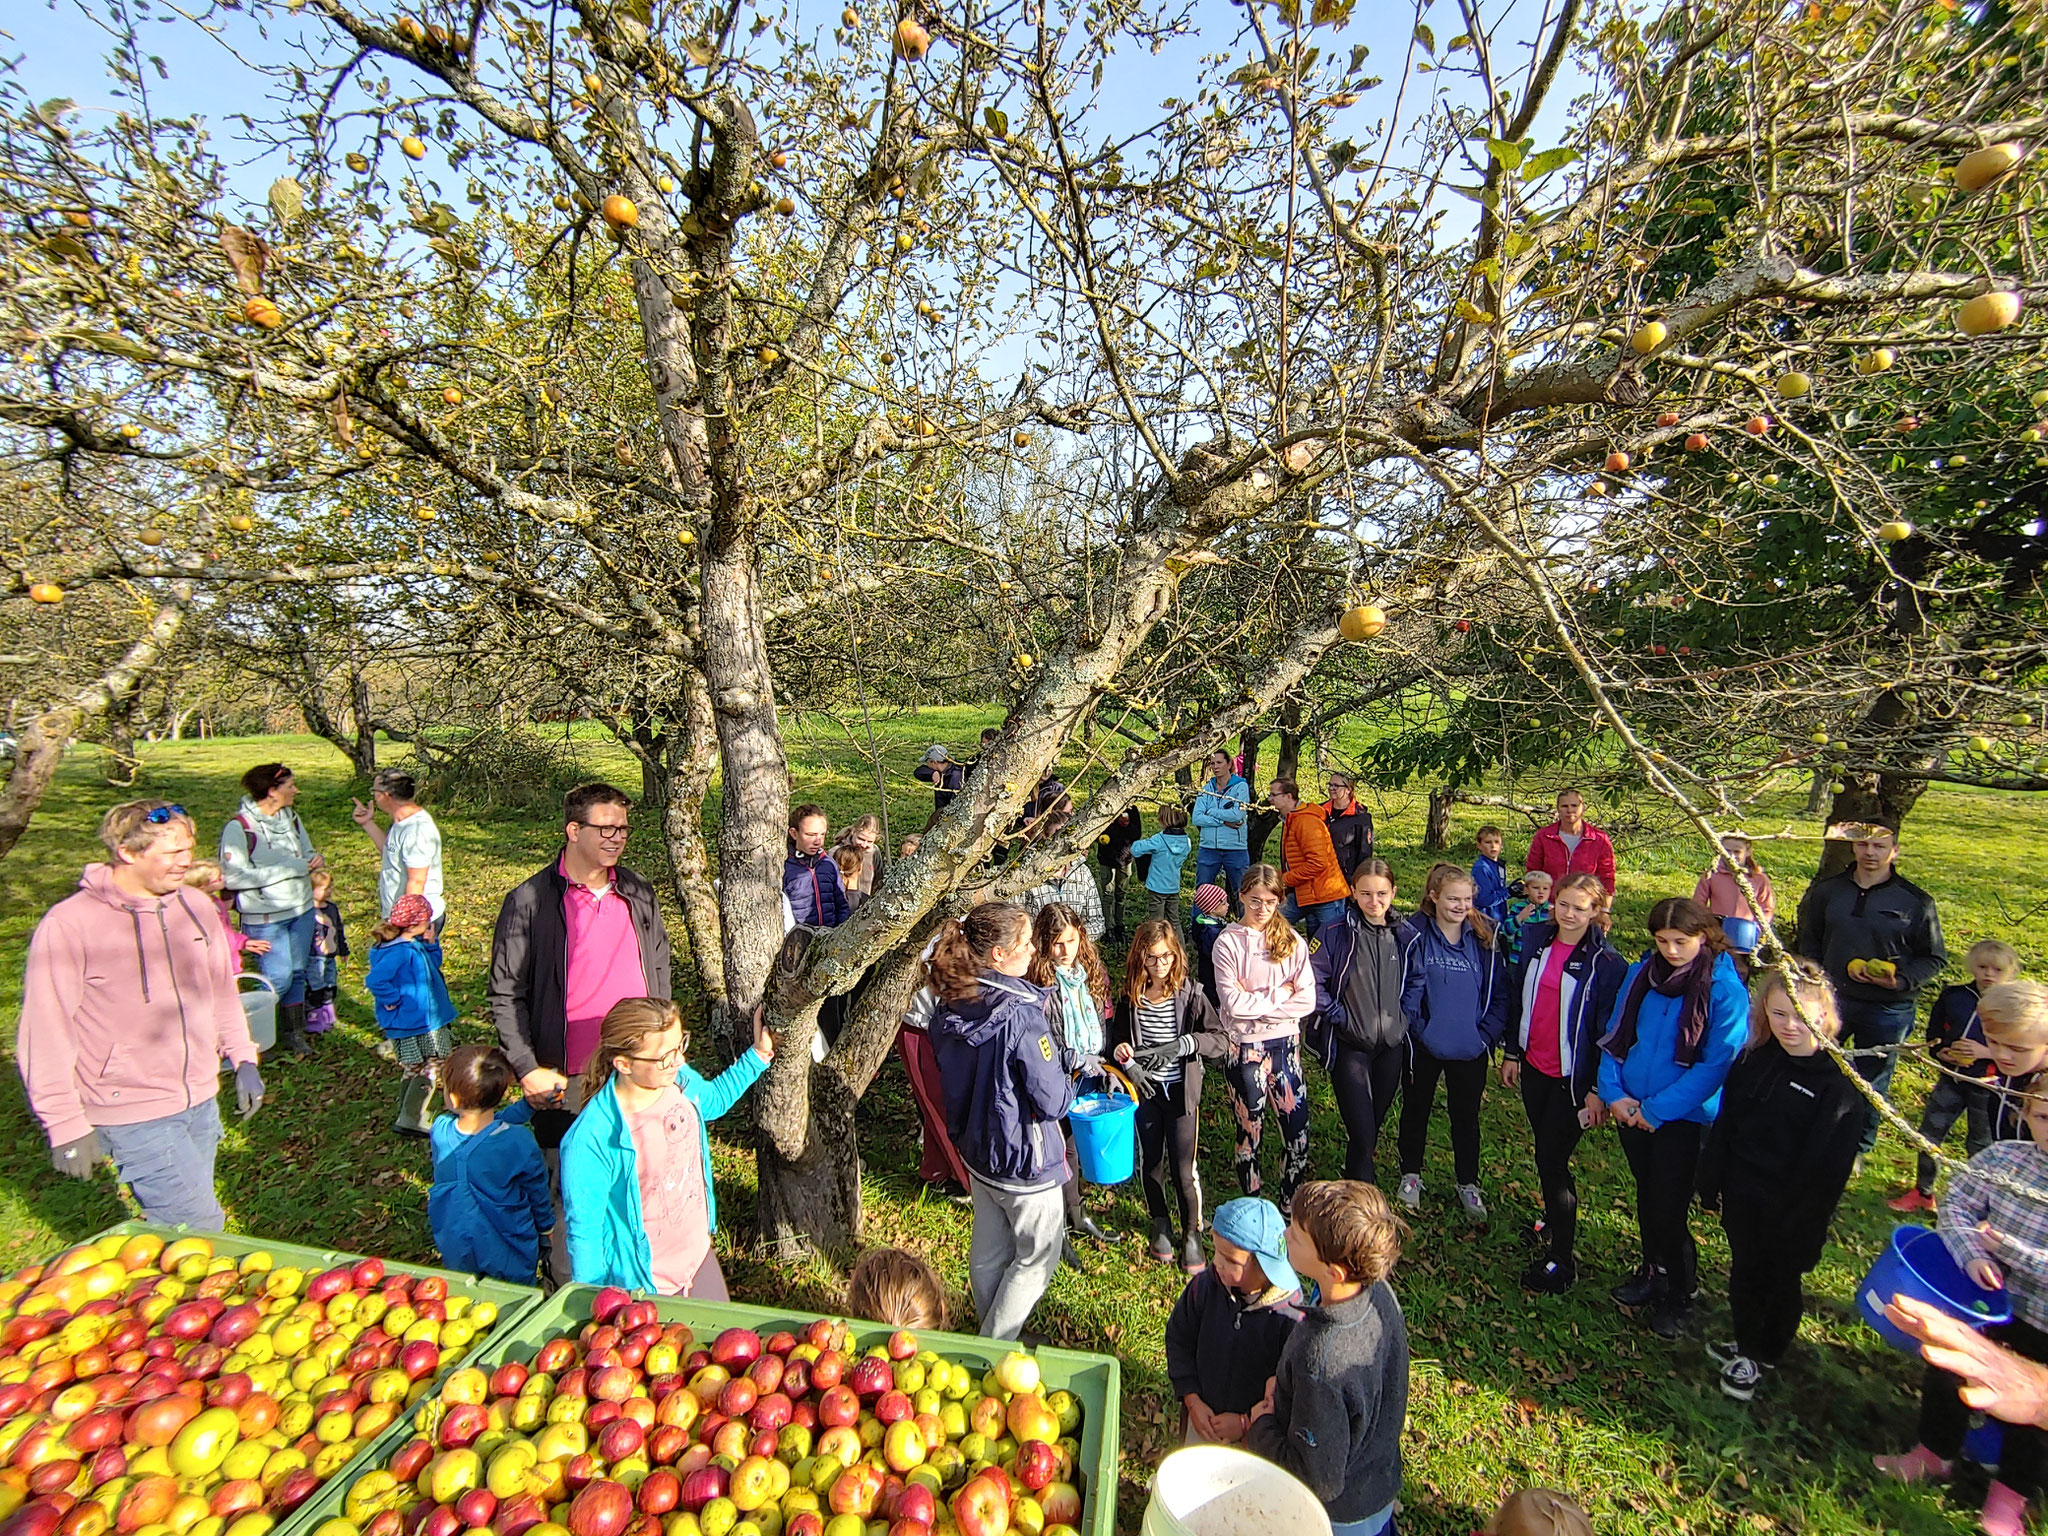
<point x="1158" y="1026"/>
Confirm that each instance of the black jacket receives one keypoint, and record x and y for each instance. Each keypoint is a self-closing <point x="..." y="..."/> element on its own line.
<point x="1194" y="1015"/>
<point x="1783" y="1144"/>
<point x="1224" y="1346"/>
<point x="1351" y="836"/>
<point x="530" y="963"/>
<point x="1593" y="978"/>
<point x="1113" y="847"/>
<point x="1895" y="920"/>
<point x="1375" y="954"/>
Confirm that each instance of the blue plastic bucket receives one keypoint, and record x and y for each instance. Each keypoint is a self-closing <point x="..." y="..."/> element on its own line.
<point x="1742" y="933"/>
<point x="1916" y="1263"/>
<point x="1105" y="1129"/>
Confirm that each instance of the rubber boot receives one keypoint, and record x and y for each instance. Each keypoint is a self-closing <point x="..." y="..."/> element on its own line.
<point x="1161" y="1247"/>
<point x="291" y="1029"/>
<point x="412" y="1118"/>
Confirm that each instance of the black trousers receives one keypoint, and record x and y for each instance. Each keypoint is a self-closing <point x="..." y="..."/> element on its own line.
<point x="1666" y="1163"/>
<point x="1166" y="1145"/>
<point x="1367" y="1080"/>
<point x="1464" y="1084"/>
<point x="1764" y="1274"/>
<point x="1554" y="1123"/>
<point x="1945" y="1418"/>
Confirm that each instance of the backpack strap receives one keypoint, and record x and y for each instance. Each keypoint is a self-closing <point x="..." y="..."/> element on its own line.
<point x="248" y="831"/>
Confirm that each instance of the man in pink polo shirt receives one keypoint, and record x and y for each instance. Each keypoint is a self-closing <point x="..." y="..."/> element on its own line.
<point x="579" y="934"/>
<point x="1572" y="845"/>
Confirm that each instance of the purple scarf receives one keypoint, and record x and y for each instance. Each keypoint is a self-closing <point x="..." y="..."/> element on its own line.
<point x="1693" y="981"/>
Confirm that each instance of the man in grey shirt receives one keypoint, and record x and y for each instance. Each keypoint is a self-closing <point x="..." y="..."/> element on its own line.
<point x="411" y="845"/>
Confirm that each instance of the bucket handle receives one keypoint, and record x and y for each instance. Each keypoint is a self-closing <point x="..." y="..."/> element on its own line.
<point x="1118" y="1080"/>
<point x="255" y="976"/>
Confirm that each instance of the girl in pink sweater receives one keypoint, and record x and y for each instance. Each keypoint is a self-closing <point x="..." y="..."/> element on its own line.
<point x="1263" y="992"/>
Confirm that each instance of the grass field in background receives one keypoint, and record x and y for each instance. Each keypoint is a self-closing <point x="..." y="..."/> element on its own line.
<point x="1507" y="1389"/>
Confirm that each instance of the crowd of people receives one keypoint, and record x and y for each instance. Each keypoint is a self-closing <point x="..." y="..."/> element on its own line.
<point x="577" y="1145"/>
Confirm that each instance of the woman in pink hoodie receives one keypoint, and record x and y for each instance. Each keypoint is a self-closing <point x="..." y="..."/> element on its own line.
<point x="1263" y="991"/>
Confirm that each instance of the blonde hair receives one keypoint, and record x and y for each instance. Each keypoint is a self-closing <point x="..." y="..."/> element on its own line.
<point x="1478" y="921"/>
<point x="126" y="828"/>
<point x="202" y="873"/>
<point x="1808" y="985"/>
<point x="1539" y="1512"/>
<point x="631" y="1020"/>
<point x="2015" y="1011"/>
<point x="1280" y="935"/>
<point x="890" y="1286"/>
<point x="2007" y="958"/>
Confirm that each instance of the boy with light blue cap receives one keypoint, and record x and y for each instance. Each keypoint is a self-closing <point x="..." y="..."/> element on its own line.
<point x="1224" y="1338"/>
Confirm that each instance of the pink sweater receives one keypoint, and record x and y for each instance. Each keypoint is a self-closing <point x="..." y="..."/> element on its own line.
<point x="1260" y="999"/>
<point x="127" y="1007"/>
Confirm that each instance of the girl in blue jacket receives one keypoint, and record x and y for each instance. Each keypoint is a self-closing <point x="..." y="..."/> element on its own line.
<point x="1456" y="1010"/>
<point x="1683" y="1015"/>
<point x="413" y="1006"/>
<point x="636" y="1165"/>
<point x="490" y="1208"/>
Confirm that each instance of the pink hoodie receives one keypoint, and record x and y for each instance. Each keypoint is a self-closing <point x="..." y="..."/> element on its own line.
<point x="127" y="1008"/>
<point x="1260" y="999"/>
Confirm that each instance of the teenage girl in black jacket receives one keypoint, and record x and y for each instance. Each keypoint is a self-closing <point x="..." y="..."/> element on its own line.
<point x="1358" y="1028"/>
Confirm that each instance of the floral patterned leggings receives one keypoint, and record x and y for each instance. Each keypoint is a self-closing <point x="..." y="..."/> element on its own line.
<point x="1269" y="1072"/>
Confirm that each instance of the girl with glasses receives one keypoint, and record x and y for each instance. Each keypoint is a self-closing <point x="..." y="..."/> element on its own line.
<point x="636" y="1165"/>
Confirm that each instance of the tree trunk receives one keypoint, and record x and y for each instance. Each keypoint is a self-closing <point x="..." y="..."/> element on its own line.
<point x="359" y="745"/>
<point x="1817" y="792"/>
<point x="1266" y="820"/>
<point x="1886" y="794"/>
<point x="1436" y="831"/>
<point x="364" y="756"/>
<point x="812" y="1202"/>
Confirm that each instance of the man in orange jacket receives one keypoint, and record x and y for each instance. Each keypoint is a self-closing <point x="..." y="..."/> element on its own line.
<point x="1315" y="883"/>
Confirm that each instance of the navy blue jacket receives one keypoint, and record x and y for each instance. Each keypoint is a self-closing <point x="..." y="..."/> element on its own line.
<point x="490" y="1202"/>
<point x="1490" y="888"/>
<point x="945" y="782"/>
<point x="1336" y="948"/>
<point x="1008" y="1082"/>
<point x="1223" y="1345"/>
<point x="1454" y="999"/>
<point x="1954" y="1017"/>
<point x="816" y="893"/>
<point x="1586" y="998"/>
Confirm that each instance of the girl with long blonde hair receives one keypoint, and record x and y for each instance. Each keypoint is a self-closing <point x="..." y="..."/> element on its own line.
<point x="1264" y="990"/>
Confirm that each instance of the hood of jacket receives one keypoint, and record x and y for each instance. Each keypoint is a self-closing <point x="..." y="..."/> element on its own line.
<point x="1005" y="1082"/>
<point x="979" y="1019"/>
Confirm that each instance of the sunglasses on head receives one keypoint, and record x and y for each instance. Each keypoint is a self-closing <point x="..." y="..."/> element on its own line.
<point x="163" y="813"/>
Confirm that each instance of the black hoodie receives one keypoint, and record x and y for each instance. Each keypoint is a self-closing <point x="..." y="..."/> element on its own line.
<point x="1784" y="1143"/>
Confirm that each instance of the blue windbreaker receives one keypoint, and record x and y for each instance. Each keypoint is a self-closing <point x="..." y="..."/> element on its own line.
<point x="1652" y="1075"/>
<point x="1169" y="852"/>
<point x="1222" y="815"/>
<point x="1490" y="888"/>
<point x="490" y="1202"/>
<point x="405" y="981"/>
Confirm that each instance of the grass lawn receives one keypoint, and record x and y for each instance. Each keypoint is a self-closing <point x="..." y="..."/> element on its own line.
<point x="1506" y="1390"/>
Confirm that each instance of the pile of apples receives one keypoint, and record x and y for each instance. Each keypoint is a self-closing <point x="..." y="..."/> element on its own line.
<point x="631" y="1428"/>
<point x="154" y="1389"/>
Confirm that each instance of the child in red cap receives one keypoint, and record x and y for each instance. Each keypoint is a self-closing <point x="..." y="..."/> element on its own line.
<point x="413" y="1006"/>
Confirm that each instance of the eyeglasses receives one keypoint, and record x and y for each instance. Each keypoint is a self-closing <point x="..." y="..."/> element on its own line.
<point x="667" y="1058"/>
<point x="611" y="834"/>
<point x="163" y="814"/>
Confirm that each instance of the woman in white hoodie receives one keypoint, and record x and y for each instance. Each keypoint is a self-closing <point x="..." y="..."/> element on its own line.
<point x="267" y="860"/>
<point x="1264" y="989"/>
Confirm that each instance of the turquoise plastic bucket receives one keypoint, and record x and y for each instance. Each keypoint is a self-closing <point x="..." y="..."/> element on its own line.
<point x="1916" y="1263"/>
<point x="1105" y="1127"/>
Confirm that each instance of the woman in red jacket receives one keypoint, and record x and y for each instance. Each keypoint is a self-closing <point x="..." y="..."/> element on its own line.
<point x="1572" y="845"/>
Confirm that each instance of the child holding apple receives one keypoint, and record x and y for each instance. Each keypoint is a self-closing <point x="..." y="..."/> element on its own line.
<point x="1955" y="1037"/>
<point x="1224" y="1338"/>
<point x="1333" y="1413"/>
<point x="490" y="1208"/>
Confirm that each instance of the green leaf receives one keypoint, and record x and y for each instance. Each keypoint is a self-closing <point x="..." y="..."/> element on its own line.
<point x="1536" y="167"/>
<point x="1425" y="37"/>
<point x="997" y="123"/>
<point x="1508" y="155"/>
<point x="1488" y="269"/>
<point x="287" y="199"/>
<point x="1462" y="40"/>
<point x="1516" y="242"/>
<point x="1476" y="194"/>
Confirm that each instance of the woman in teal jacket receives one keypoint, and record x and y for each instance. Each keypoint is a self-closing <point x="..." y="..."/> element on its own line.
<point x="636" y="1165"/>
<point x="1682" y="1017"/>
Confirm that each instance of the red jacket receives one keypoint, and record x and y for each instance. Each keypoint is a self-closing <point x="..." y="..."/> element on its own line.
<point x="1313" y="873"/>
<point x="1593" y="856"/>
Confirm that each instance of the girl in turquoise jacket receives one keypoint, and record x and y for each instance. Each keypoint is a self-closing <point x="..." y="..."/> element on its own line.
<point x="636" y="1165"/>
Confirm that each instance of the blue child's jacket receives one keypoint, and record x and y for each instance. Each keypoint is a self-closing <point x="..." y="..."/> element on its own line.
<point x="405" y="981"/>
<point x="1169" y="852"/>
<point x="490" y="1203"/>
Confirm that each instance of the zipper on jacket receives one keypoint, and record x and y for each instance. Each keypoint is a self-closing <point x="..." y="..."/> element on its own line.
<point x="184" y="1032"/>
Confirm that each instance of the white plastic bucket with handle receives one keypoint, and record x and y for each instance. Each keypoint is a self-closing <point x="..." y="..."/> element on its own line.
<point x="260" y="1009"/>
<point x="1218" y="1490"/>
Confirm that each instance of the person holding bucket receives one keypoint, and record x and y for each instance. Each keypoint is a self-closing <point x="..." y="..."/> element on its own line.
<point x="1065" y="963"/>
<point x="1994" y="1223"/>
<point x="1778" y="1160"/>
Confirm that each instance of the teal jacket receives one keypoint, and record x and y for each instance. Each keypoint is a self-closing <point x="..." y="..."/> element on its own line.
<point x="601" y="1177"/>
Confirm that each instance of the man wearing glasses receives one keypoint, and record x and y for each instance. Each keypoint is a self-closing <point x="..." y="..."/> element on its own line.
<point x="582" y="933"/>
<point x="128" y="1006"/>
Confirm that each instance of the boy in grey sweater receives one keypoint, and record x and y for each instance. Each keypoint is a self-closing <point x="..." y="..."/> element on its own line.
<point x="1334" y="1411"/>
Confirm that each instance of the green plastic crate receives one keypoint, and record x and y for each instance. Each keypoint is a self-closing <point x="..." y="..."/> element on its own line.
<point x="515" y="1303"/>
<point x="1097" y="1380"/>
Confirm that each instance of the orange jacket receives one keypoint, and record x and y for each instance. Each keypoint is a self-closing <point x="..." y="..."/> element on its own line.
<point x="1313" y="873"/>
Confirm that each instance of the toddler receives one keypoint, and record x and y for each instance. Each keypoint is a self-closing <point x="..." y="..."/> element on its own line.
<point x="330" y="944"/>
<point x="1962" y="1063"/>
<point x="1212" y="916"/>
<point x="1524" y="912"/>
<point x="490" y="1209"/>
<point x="891" y="1286"/>
<point x="205" y="875"/>
<point x="1224" y="1339"/>
<point x="413" y="1007"/>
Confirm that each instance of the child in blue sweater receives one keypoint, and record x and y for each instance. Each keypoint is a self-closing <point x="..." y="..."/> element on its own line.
<point x="1169" y="848"/>
<point x="1682" y="1016"/>
<point x="1490" y="876"/>
<point x="413" y="1007"/>
<point x="490" y="1207"/>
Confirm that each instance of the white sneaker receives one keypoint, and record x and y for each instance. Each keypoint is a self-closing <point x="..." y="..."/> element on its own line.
<point x="1741" y="1377"/>
<point x="1474" y="1204"/>
<point x="1411" y="1191"/>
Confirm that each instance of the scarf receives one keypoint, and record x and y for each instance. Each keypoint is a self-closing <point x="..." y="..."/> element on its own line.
<point x="1693" y="981"/>
<point x="1083" y="1020"/>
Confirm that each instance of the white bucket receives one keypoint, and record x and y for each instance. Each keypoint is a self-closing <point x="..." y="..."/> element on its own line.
<point x="1217" y="1490"/>
<point x="260" y="1009"/>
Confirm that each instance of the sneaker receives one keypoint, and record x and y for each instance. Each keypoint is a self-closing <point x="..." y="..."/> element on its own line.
<point x="1741" y="1377"/>
<point x="1547" y="1277"/>
<point x="1912" y="1200"/>
<point x="1411" y="1191"/>
<point x="1474" y="1204"/>
<point x="1722" y="1351"/>
<point x="1646" y="1284"/>
<point x="1671" y="1318"/>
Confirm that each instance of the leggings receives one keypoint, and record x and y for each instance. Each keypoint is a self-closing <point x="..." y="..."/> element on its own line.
<point x="1554" y="1123"/>
<point x="1666" y="1163"/>
<point x="1464" y="1084"/>
<point x="1263" y="1071"/>
<point x="1167" y="1129"/>
<point x="1764" y="1274"/>
<point x="1367" y="1079"/>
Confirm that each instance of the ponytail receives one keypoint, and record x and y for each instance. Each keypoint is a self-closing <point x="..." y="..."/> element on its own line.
<point x="965" y="947"/>
<point x="631" y="1020"/>
<point x="1280" y="935"/>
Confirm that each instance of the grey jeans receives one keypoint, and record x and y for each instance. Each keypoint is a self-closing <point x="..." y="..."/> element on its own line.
<point x="1011" y="1259"/>
<point x="169" y="1165"/>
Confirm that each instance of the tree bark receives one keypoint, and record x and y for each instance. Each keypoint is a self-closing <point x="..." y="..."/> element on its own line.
<point x="41" y="747"/>
<point x="1887" y="794"/>
<point x="1436" y="831"/>
<point x="1265" y="820"/>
